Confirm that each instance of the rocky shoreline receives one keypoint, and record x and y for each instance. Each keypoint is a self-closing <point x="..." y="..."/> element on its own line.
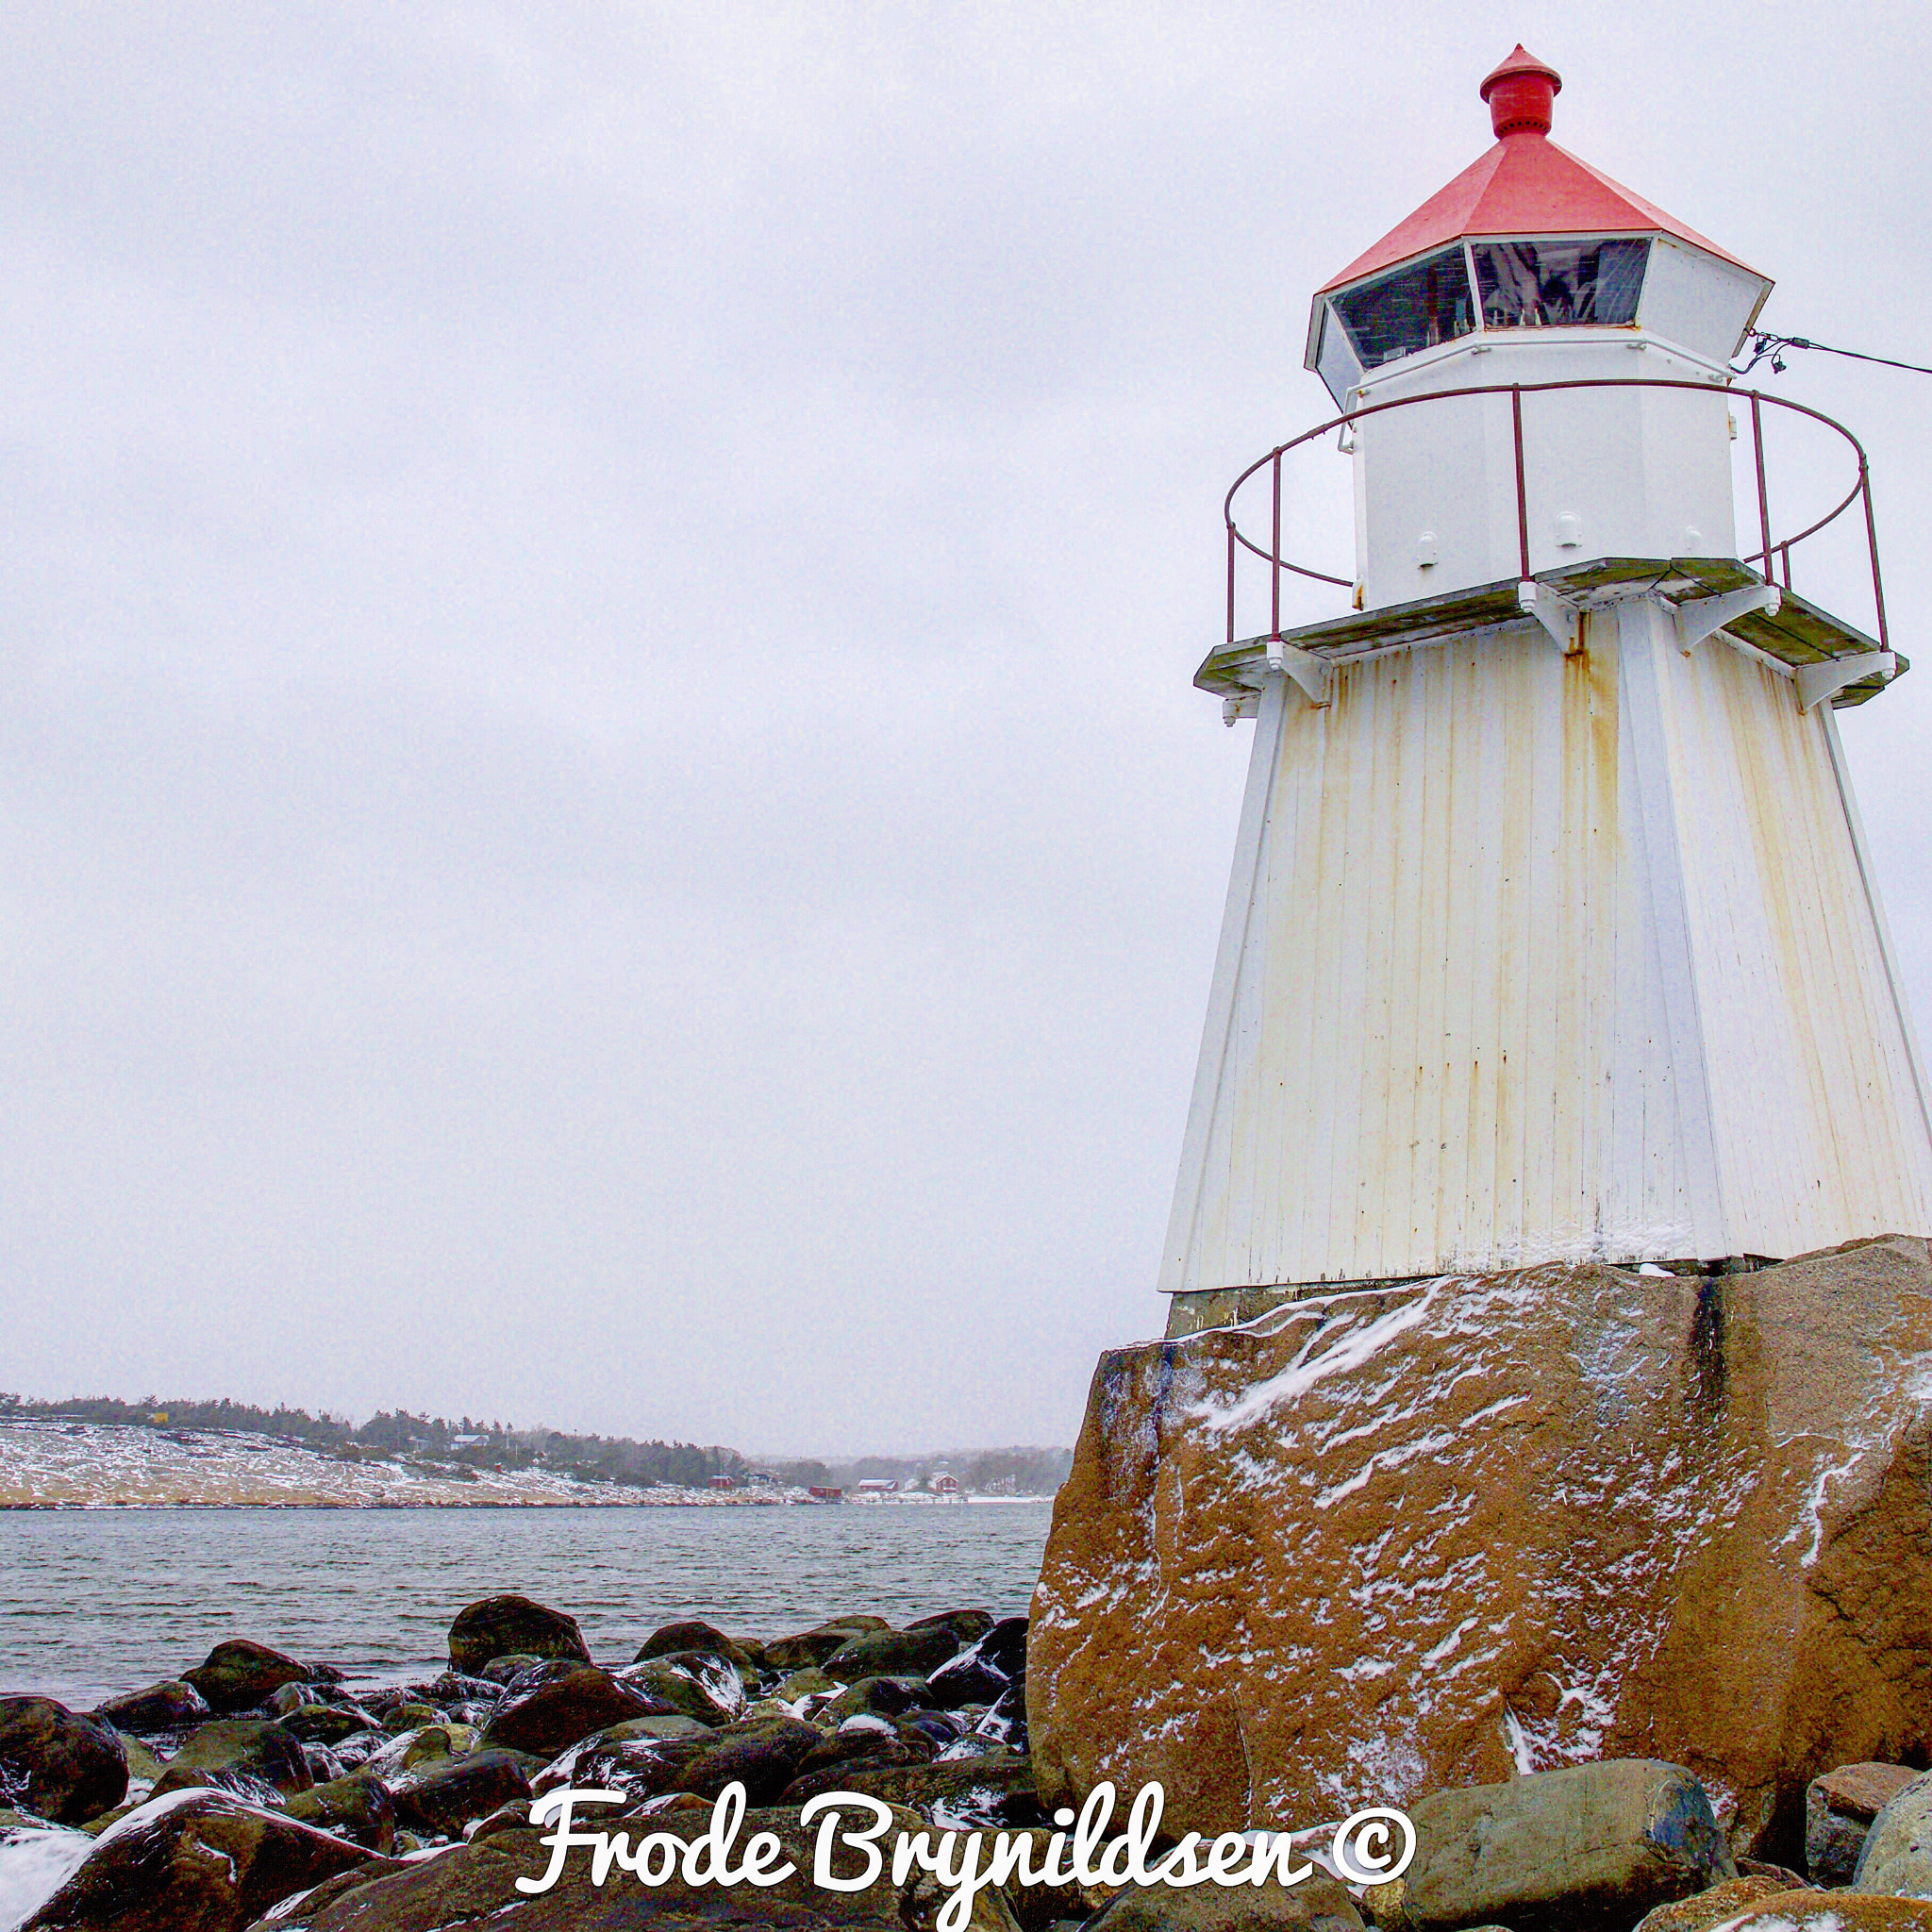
<point x="208" y="1800"/>
<point x="257" y="1791"/>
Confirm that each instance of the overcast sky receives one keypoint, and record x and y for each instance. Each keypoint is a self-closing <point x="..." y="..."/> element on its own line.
<point x="602" y="816"/>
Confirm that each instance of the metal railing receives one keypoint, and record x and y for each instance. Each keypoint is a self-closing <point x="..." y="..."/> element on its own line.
<point x="1769" y="549"/>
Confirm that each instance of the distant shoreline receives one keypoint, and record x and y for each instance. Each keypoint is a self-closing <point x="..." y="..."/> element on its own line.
<point x="643" y="1502"/>
<point x="48" y="1466"/>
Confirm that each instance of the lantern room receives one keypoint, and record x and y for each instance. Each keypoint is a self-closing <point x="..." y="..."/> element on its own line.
<point x="1531" y="267"/>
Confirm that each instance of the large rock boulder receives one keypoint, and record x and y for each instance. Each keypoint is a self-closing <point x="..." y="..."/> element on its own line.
<point x="357" y="1807"/>
<point x="239" y="1676"/>
<point x="57" y="1764"/>
<point x="553" y="1715"/>
<point x="505" y="1626"/>
<point x="967" y="1626"/>
<point x="173" y="1705"/>
<point x="201" y="1860"/>
<point x="692" y="1633"/>
<point x="694" y="1682"/>
<point x="1722" y="1901"/>
<point x="891" y="1654"/>
<point x="885" y="1697"/>
<point x="853" y="1747"/>
<point x="1377" y="1544"/>
<point x="1590" y="1849"/>
<point x="763" y="1754"/>
<point x="1896" y="1854"/>
<point x="328" y="1724"/>
<point x="1839" y="1811"/>
<point x="808" y="1647"/>
<point x="439" y="1802"/>
<point x="982" y="1670"/>
<point x="1831" y="1911"/>
<point x="254" y="1756"/>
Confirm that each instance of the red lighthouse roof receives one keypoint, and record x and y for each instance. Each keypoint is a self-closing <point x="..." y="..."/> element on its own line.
<point x="1525" y="185"/>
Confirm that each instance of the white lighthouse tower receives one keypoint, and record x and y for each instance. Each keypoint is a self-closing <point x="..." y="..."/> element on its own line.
<point x="1551" y="933"/>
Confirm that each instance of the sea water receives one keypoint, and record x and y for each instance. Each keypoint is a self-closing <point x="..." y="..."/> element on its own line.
<point x="95" y="1602"/>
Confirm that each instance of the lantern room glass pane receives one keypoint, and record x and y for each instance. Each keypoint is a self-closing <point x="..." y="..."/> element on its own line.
<point x="1558" y="284"/>
<point x="1416" y="307"/>
<point x="1335" y="358"/>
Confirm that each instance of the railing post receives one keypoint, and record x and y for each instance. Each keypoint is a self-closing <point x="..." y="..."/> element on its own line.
<point x="1784" y="551"/>
<point x="1522" y="490"/>
<point x="1230" y="583"/>
<point x="1763" y="495"/>
<point x="1274" y="554"/>
<point x="1872" y="541"/>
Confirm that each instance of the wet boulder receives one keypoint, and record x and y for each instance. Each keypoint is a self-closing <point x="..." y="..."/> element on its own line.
<point x="552" y="1715"/>
<point x="964" y="1626"/>
<point x="417" y="1750"/>
<point x="674" y="1725"/>
<point x="411" y="1714"/>
<point x="500" y="1670"/>
<point x="763" y="1755"/>
<point x="328" y="1724"/>
<point x="259" y="1749"/>
<point x="500" y="1625"/>
<point x="835" y="1760"/>
<point x="439" y="1801"/>
<point x="808" y="1647"/>
<point x="57" y="1763"/>
<point x="1591" y="1848"/>
<point x="202" y="1861"/>
<point x="810" y="1682"/>
<point x="693" y="1633"/>
<point x="1832" y="1911"/>
<point x="542" y="1671"/>
<point x="357" y="1807"/>
<point x="1005" y="1721"/>
<point x="891" y="1653"/>
<point x="173" y="1705"/>
<point x="1722" y="1901"/>
<point x="317" y="1898"/>
<point x="874" y="1697"/>
<point x="239" y="1676"/>
<point x="285" y="1699"/>
<point x="939" y="1728"/>
<point x="983" y="1669"/>
<point x="693" y="1681"/>
<point x="1839" y="1811"/>
<point x="454" y="1687"/>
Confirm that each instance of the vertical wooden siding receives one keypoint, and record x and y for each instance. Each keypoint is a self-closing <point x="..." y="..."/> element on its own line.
<point x="1465" y="1016"/>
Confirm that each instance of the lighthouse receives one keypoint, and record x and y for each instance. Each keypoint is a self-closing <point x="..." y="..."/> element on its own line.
<point x="1552" y="934"/>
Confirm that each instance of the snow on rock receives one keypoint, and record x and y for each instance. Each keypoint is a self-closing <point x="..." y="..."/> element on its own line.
<point x="1380" y="1542"/>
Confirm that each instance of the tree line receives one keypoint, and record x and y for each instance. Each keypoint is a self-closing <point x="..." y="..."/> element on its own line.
<point x="473" y="1444"/>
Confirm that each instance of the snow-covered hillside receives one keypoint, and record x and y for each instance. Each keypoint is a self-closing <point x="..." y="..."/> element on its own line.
<point x="56" y="1464"/>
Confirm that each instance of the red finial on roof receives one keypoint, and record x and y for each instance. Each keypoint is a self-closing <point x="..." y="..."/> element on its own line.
<point x="1521" y="94"/>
